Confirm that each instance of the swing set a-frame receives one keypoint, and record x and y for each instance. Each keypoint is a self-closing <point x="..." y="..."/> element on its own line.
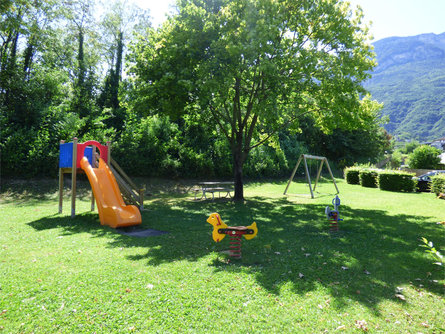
<point x="304" y="158"/>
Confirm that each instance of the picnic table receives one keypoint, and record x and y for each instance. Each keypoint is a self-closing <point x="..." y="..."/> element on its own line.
<point x="213" y="187"/>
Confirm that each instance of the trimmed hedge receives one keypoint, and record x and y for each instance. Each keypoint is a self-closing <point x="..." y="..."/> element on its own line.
<point x="368" y="178"/>
<point x="438" y="184"/>
<point x="352" y="175"/>
<point x="396" y="181"/>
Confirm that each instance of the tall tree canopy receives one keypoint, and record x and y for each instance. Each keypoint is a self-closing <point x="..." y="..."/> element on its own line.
<point x="251" y="67"/>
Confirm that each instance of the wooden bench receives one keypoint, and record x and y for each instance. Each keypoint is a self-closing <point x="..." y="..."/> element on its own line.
<point x="213" y="187"/>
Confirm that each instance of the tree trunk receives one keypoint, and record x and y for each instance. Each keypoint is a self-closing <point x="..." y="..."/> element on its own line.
<point x="28" y="55"/>
<point x="81" y="63"/>
<point x="238" y="175"/>
<point x="238" y="161"/>
<point x="116" y="77"/>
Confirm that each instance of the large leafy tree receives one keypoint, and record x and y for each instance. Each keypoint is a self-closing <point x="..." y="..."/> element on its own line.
<point x="119" y="23"/>
<point x="252" y="67"/>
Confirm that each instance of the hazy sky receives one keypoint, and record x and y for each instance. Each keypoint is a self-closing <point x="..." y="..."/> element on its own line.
<point x="389" y="17"/>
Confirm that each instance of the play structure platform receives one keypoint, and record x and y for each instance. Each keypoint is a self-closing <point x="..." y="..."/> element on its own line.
<point x="108" y="186"/>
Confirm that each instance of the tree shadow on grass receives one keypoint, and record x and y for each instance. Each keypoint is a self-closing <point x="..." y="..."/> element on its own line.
<point x="372" y="254"/>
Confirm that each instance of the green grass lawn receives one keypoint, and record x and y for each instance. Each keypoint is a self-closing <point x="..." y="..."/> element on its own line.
<point x="59" y="274"/>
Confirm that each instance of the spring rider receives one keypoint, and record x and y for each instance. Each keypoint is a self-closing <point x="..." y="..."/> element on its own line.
<point x="220" y="230"/>
<point x="333" y="215"/>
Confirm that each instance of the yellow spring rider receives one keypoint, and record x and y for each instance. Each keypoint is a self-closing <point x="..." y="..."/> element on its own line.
<point x="220" y="230"/>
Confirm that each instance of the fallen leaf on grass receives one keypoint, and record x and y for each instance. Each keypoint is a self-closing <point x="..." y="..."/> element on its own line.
<point x="340" y="328"/>
<point x="127" y="290"/>
<point x="361" y="324"/>
<point x="334" y="283"/>
<point x="400" y="296"/>
<point x="424" y="324"/>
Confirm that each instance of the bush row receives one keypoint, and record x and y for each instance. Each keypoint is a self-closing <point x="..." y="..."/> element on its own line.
<point x="390" y="180"/>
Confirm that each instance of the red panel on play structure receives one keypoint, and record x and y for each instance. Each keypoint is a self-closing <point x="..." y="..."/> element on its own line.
<point x="103" y="151"/>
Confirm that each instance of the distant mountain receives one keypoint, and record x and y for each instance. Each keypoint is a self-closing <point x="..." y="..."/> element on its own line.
<point x="410" y="81"/>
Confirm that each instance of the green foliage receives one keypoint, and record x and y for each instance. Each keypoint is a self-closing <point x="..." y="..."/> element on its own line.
<point x="410" y="147"/>
<point x="213" y="63"/>
<point x="395" y="160"/>
<point x="368" y="178"/>
<point x="352" y="175"/>
<point x="344" y="147"/>
<point x="266" y="161"/>
<point x="438" y="184"/>
<point x="396" y="181"/>
<point x="148" y="147"/>
<point x="424" y="157"/>
<point x="430" y="249"/>
<point x="255" y="67"/>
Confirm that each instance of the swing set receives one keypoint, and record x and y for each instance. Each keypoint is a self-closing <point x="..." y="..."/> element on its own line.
<point x="305" y="157"/>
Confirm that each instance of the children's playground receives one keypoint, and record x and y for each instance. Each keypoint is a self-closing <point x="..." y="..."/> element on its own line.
<point x="83" y="253"/>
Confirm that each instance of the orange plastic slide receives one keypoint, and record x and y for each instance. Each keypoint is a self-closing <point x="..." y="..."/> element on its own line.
<point x="112" y="209"/>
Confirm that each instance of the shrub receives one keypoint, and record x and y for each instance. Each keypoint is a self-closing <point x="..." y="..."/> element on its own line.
<point x="410" y="147"/>
<point x="352" y="175"/>
<point x="395" y="160"/>
<point x="368" y="178"/>
<point x="396" y="181"/>
<point x="438" y="184"/>
<point x="430" y="249"/>
<point x="424" y="157"/>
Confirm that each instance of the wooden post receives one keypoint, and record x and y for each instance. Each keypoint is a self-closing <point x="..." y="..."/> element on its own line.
<point x="60" y="184"/>
<point x="73" y="178"/>
<point x="109" y="153"/>
<point x="293" y="174"/>
<point x="308" y="177"/>
<point x="332" y="176"/>
<point x="141" y="199"/>
<point x="319" y="172"/>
